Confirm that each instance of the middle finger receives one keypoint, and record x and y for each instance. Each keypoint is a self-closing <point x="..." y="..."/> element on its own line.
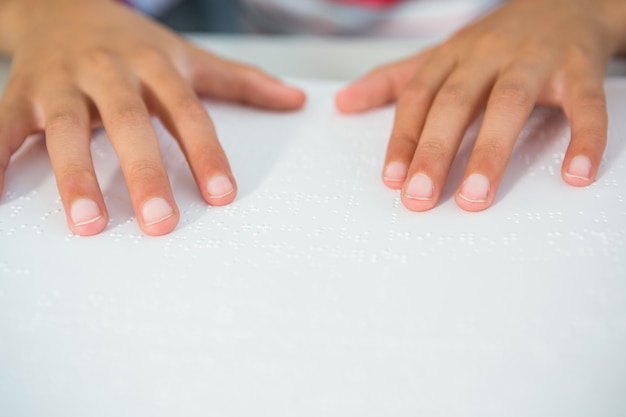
<point x="455" y="106"/>
<point x="127" y="121"/>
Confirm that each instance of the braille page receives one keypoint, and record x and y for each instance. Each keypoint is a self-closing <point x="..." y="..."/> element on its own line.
<point x="316" y="292"/>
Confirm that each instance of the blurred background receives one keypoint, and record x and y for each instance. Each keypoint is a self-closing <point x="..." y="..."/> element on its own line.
<point x="218" y="16"/>
<point x="372" y="18"/>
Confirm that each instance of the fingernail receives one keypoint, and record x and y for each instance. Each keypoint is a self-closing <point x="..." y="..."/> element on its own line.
<point x="395" y="172"/>
<point x="475" y="189"/>
<point x="579" y="167"/>
<point x="420" y="188"/>
<point x="155" y="211"/>
<point x="219" y="186"/>
<point x="84" y="212"/>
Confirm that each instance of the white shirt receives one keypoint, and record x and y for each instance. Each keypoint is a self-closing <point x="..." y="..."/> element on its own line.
<point x="331" y="17"/>
<point x="325" y="17"/>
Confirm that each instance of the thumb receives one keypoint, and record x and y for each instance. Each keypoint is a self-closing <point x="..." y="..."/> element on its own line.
<point x="379" y="87"/>
<point x="224" y="79"/>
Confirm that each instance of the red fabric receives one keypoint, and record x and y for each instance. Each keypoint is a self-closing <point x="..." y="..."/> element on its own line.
<point x="370" y="3"/>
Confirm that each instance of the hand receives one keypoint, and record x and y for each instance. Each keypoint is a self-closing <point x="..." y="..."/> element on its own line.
<point x="78" y="63"/>
<point x="528" y="52"/>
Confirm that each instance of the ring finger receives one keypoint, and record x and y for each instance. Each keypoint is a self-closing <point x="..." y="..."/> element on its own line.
<point x="68" y="134"/>
<point x="511" y="101"/>
<point x="456" y="104"/>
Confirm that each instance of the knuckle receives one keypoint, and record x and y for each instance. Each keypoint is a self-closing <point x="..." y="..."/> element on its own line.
<point x="189" y="106"/>
<point x="535" y="46"/>
<point x="130" y="115"/>
<point x="145" y="171"/>
<point x="148" y="56"/>
<point x="99" y="59"/>
<point x="453" y="94"/>
<point x="74" y="173"/>
<point x="580" y="56"/>
<point x="415" y="94"/>
<point x="59" y="69"/>
<point x="404" y="143"/>
<point x="592" y="100"/>
<point x="491" y="41"/>
<point x="513" y="93"/>
<point x="590" y="135"/>
<point x="64" y="121"/>
<point x="491" y="151"/>
<point x="434" y="150"/>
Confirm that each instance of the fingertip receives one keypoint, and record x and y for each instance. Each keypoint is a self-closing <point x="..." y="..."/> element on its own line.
<point x="394" y="174"/>
<point x="342" y="101"/>
<point x="85" y="217"/>
<point x="393" y="184"/>
<point x="162" y="228"/>
<point x="475" y="193"/>
<point x="578" y="171"/>
<point x="288" y="97"/>
<point x="223" y="200"/>
<point x="296" y="98"/>
<point x="278" y="96"/>
<point x="351" y="100"/>
<point x="221" y="190"/>
<point x="586" y="109"/>
<point x="469" y="205"/>
<point x="418" y="193"/>
<point x="158" y="217"/>
<point x="417" y="205"/>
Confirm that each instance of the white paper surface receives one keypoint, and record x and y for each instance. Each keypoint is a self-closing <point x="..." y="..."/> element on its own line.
<point x="317" y="292"/>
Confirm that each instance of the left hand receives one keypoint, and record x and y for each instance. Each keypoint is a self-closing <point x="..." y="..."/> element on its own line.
<point x="527" y="52"/>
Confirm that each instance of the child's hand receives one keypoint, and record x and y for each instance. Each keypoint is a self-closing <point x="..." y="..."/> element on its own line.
<point x="551" y="52"/>
<point x="81" y="62"/>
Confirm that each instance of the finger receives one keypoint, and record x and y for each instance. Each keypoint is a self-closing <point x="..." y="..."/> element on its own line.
<point x="456" y="104"/>
<point x="510" y="103"/>
<point x="586" y="109"/>
<point x="380" y="87"/>
<point x="220" y="78"/>
<point x="17" y="121"/>
<point x="68" y="136"/>
<point x="411" y="110"/>
<point x="130" y="129"/>
<point x="186" y="118"/>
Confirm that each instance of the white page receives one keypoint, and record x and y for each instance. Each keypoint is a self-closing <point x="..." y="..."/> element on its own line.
<point x="316" y="292"/>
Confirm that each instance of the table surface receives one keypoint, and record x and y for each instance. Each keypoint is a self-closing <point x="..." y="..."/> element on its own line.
<point x="316" y="292"/>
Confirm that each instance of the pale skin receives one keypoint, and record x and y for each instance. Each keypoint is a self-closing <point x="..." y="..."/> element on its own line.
<point x="80" y="63"/>
<point x="528" y="52"/>
<point x="77" y="63"/>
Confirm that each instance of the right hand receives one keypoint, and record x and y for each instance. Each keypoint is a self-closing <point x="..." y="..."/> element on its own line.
<point x="78" y="63"/>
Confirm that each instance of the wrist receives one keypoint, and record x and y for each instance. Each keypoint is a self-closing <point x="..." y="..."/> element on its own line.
<point x="609" y="15"/>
